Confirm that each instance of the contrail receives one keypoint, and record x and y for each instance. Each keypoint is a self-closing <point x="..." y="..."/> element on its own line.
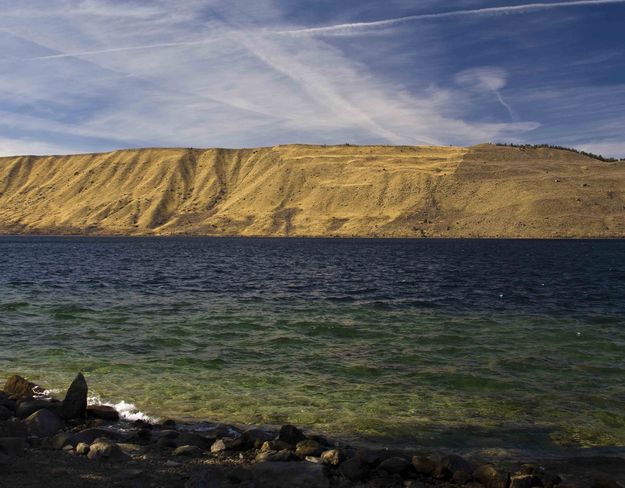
<point x="512" y="9"/>
<point x="127" y="48"/>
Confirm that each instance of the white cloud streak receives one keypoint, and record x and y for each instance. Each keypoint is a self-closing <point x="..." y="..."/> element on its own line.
<point x="357" y="27"/>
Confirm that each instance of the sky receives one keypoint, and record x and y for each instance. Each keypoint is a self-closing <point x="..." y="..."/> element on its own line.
<point x="98" y="75"/>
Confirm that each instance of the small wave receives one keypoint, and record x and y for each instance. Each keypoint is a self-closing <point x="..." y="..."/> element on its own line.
<point x="127" y="411"/>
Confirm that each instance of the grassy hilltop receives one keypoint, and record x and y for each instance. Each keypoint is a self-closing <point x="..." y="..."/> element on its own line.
<point x="302" y="190"/>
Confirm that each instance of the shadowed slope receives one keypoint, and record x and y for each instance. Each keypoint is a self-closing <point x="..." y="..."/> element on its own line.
<point x="299" y="190"/>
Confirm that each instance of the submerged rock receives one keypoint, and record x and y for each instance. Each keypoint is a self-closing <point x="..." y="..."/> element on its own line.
<point x="43" y="423"/>
<point x="103" y="412"/>
<point x="75" y="402"/>
<point x="525" y="481"/>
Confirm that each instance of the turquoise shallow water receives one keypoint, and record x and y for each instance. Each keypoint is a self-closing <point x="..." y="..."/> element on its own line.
<point x="455" y="343"/>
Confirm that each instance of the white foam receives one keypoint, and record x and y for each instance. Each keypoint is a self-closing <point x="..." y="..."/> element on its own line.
<point x="127" y="411"/>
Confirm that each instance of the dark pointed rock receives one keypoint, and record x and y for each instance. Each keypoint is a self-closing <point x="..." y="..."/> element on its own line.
<point x="75" y="403"/>
<point x="291" y="434"/>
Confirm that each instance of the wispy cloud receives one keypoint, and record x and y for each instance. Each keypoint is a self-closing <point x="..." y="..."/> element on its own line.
<point x="222" y="73"/>
<point x="357" y="27"/>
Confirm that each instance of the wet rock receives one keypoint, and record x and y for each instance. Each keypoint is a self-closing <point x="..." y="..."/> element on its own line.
<point x="12" y="446"/>
<point x="354" y="469"/>
<point x="423" y="465"/>
<point x="525" y="481"/>
<point x="256" y="437"/>
<point x="43" y="423"/>
<point x="82" y="449"/>
<point x="461" y="477"/>
<point x="75" y="402"/>
<point x="169" y="424"/>
<point x="291" y="434"/>
<point x="449" y="464"/>
<point x="289" y="475"/>
<point x="308" y="447"/>
<point x="395" y="465"/>
<point x="105" y="449"/>
<point x="19" y="387"/>
<point x="333" y="457"/>
<point x="193" y="439"/>
<point x="274" y="456"/>
<point x="88" y="436"/>
<point x="188" y="451"/>
<point x="103" y="412"/>
<point x="169" y="434"/>
<point x="491" y="477"/>
<point x="27" y="407"/>
<point x="226" y="444"/>
<point x="275" y="446"/>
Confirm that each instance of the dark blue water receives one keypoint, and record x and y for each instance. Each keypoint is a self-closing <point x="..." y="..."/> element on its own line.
<point x="511" y="343"/>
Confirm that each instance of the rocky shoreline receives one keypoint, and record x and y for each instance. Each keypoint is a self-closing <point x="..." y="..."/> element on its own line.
<point x="68" y="443"/>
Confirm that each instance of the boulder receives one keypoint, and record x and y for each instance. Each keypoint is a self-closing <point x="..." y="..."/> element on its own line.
<point x="308" y="447"/>
<point x="525" y="481"/>
<point x="450" y="464"/>
<point x="354" y="469"/>
<point x="12" y="446"/>
<point x="75" y="402"/>
<point x="5" y="413"/>
<point x="61" y="440"/>
<point x="291" y="434"/>
<point x="43" y="423"/>
<point x="27" y="407"/>
<point x="193" y="439"/>
<point x="395" y="465"/>
<point x="103" y="412"/>
<point x="289" y="475"/>
<point x="333" y="457"/>
<point x="256" y="437"/>
<point x="275" y="446"/>
<point x="188" y="451"/>
<point x="227" y="444"/>
<point x="274" y="456"/>
<point x="105" y="449"/>
<point x="19" y="387"/>
<point x="423" y="465"/>
<point x="88" y="436"/>
<point x="488" y="476"/>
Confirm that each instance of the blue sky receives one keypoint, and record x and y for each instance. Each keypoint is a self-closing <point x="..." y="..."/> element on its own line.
<point x="95" y="75"/>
